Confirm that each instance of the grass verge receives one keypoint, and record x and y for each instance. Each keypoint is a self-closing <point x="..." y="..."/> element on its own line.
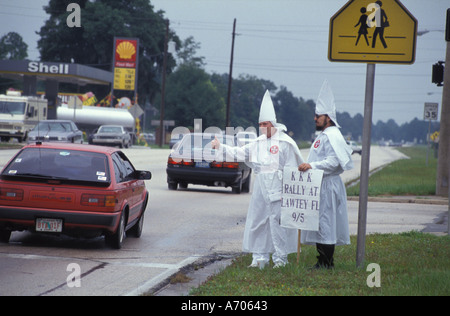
<point x="404" y="177"/>
<point x="410" y="263"/>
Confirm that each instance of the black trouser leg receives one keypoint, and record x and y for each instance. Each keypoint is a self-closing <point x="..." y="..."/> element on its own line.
<point x="325" y="258"/>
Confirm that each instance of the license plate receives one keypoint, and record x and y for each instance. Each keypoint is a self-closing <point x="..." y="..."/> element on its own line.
<point x="52" y="225"/>
<point x="202" y="164"/>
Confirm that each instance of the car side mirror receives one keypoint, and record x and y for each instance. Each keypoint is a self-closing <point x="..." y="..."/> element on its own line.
<point x="143" y="175"/>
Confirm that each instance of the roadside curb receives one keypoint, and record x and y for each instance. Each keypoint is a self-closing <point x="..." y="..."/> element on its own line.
<point x="194" y="275"/>
<point x="434" y="200"/>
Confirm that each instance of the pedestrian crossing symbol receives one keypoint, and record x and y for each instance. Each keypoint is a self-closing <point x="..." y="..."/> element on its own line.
<point x="371" y="31"/>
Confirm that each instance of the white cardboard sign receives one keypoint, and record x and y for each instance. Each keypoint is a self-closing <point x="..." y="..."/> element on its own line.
<point x="300" y="199"/>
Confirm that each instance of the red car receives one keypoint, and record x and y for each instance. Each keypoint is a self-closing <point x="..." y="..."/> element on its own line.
<point x="78" y="190"/>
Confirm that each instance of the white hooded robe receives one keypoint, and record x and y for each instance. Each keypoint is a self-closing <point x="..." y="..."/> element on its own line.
<point x="267" y="157"/>
<point x="330" y="153"/>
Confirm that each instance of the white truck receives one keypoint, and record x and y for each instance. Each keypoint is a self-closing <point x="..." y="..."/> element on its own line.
<point x="19" y="114"/>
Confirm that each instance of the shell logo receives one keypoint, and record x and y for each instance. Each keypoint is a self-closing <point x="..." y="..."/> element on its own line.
<point x="125" y="50"/>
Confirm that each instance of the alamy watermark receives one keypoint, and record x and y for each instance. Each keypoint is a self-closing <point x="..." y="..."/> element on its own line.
<point x="74" y="18"/>
<point x="74" y="278"/>
<point x="374" y="278"/>
<point x="244" y="146"/>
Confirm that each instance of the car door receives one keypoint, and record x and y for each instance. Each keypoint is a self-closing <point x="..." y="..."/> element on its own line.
<point x="78" y="135"/>
<point x="132" y="188"/>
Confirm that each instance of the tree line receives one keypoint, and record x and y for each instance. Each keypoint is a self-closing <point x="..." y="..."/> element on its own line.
<point x="191" y="92"/>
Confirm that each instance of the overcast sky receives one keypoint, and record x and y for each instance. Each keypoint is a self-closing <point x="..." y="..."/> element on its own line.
<point x="286" y="41"/>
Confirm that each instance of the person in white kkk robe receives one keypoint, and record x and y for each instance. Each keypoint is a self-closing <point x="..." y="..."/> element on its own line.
<point x="330" y="153"/>
<point x="267" y="156"/>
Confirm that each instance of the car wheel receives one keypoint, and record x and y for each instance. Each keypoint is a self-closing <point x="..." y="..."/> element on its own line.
<point x="238" y="188"/>
<point x="246" y="184"/>
<point x="136" y="230"/>
<point x="173" y="185"/>
<point x="5" y="235"/>
<point x="115" y="240"/>
<point x="183" y="185"/>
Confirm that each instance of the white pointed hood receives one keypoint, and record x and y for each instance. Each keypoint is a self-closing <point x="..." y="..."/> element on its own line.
<point x="325" y="103"/>
<point x="267" y="112"/>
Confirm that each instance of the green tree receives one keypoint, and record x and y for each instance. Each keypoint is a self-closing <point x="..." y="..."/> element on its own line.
<point x="92" y="43"/>
<point x="187" y="52"/>
<point x="190" y="94"/>
<point x="13" y="47"/>
<point x="295" y="113"/>
<point x="246" y="96"/>
<point x="351" y="126"/>
<point x="387" y="131"/>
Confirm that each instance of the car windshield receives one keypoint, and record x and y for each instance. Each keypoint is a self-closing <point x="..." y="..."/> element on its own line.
<point x="53" y="127"/>
<point x="7" y="107"/>
<point x="110" y="129"/>
<point x="60" y="164"/>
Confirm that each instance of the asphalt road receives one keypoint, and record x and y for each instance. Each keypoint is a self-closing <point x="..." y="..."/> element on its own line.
<point x="180" y="228"/>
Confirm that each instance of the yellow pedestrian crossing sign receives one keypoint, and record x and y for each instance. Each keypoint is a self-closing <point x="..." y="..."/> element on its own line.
<point x="371" y="31"/>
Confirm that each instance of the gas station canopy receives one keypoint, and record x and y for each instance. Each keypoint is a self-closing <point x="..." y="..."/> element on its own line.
<point x="53" y="71"/>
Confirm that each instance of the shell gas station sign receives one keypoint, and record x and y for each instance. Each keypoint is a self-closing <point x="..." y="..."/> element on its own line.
<point x="125" y="63"/>
<point x="370" y="31"/>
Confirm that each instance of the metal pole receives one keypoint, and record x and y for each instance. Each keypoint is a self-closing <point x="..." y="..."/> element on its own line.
<point x="163" y="89"/>
<point x="365" y="162"/>
<point x="230" y="77"/>
<point x="442" y="179"/>
<point x="428" y="140"/>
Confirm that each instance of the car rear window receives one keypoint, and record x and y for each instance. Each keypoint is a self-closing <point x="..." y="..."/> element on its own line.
<point x="198" y="141"/>
<point x="110" y="129"/>
<point x="198" y="146"/>
<point x="50" y="163"/>
<point x="53" y="126"/>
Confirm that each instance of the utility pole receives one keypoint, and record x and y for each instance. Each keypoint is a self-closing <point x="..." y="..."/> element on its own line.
<point x="163" y="88"/>
<point x="230" y="77"/>
<point x="443" y="168"/>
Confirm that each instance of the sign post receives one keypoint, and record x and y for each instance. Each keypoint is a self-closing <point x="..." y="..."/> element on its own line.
<point x="430" y="112"/>
<point x="371" y="32"/>
<point x="365" y="164"/>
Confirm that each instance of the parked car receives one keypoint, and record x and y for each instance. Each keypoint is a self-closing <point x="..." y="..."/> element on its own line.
<point x="355" y="147"/>
<point x="72" y="189"/>
<point x="149" y="138"/>
<point x="55" y="131"/>
<point x="191" y="162"/>
<point x="112" y="135"/>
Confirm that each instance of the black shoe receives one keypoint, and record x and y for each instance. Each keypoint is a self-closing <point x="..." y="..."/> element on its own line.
<point x="319" y="266"/>
<point x="322" y="264"/>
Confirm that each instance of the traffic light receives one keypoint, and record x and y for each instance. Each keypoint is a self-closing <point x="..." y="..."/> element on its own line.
<point x="437" y="76"/>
